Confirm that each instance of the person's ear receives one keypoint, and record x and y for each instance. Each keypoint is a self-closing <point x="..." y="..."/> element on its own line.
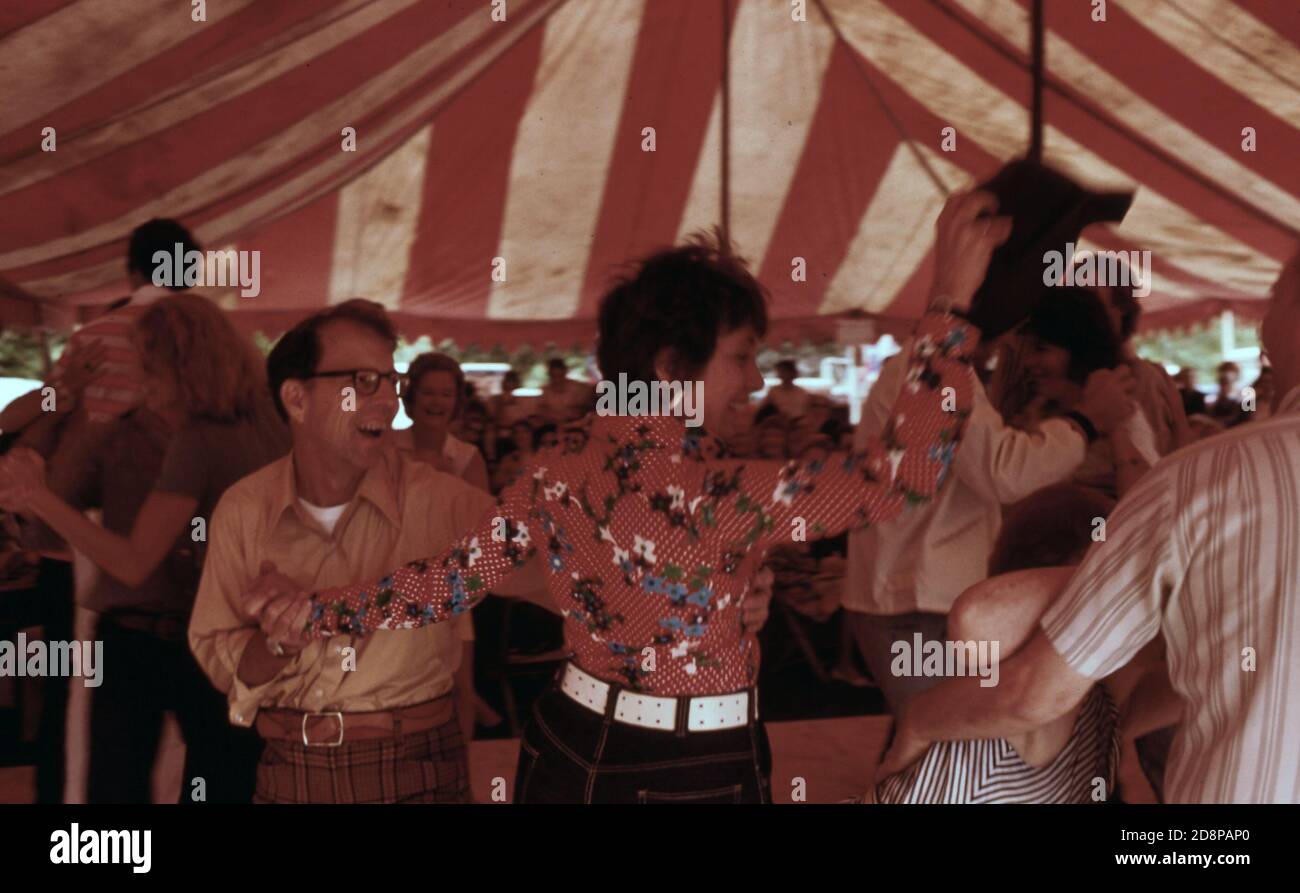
<point x="293" y="394"/>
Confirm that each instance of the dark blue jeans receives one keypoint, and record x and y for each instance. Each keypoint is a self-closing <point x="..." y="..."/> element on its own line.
<point x="569" y="754"/>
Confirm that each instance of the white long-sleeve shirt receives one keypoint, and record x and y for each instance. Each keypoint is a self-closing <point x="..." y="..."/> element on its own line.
<point x="923" y="559"/>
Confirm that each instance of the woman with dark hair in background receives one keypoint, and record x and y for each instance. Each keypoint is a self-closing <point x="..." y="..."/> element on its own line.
<point x="433" y="401"/>
<point x="1041" y="376"/>
<point x="207" y="422"/>
<point x="652" y="546"/>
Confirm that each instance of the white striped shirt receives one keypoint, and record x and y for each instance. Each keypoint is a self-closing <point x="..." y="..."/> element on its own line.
<point x="1206" y="549"/>
<point x="991" y="770"/>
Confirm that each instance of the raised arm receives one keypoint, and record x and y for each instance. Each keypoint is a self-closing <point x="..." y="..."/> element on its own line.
<point x="762" y="503"/>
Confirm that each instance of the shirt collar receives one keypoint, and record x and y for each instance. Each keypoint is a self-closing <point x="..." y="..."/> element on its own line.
<point x="1291" y="402"/>
<point x="379" y="487"/>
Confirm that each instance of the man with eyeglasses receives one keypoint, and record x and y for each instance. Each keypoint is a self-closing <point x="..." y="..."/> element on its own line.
<point x="365" y="720"/>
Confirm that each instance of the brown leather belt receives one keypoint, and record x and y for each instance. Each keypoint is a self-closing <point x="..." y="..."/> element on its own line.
<point x="332" y="728"/>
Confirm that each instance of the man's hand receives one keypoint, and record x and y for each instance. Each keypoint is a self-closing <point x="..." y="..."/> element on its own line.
<point x="758" y="601"/>
<point x="274" y="602"/>
<point x="284" y="620"/>
<point x="965" y="236"/>
<point x="1108" y="398"/>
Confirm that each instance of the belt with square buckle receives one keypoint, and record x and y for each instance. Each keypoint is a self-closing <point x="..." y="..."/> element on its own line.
<point x="306" y="742"/>
<point x="297" y="726"/>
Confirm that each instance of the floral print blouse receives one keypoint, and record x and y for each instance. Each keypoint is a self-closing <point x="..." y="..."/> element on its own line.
<point x="650" y="533"/>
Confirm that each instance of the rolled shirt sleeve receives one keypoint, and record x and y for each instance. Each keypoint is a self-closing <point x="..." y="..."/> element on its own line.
<point x="218" y="632"/>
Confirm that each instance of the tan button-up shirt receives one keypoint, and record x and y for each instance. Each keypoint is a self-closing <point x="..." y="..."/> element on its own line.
<point x="403" y="510"/>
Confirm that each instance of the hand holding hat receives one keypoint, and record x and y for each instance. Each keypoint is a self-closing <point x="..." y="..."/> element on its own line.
<point x="1047" y="210"/>
<point x="965" y="236"/>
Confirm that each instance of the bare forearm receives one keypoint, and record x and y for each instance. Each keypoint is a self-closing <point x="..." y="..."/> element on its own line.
<point x="111" y="552"/>
<point x="21" y="412"/>
<point x="1031" y="689"/>
<point x="960" y="709"/>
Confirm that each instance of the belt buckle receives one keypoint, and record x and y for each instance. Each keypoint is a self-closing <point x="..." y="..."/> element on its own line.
<point x="307" y="716"/>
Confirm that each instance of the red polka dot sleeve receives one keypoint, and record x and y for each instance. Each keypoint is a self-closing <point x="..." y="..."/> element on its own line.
<point x="643" y="532"/>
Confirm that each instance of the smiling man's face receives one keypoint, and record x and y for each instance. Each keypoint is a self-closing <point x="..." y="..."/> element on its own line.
<point x="353" y="429"/>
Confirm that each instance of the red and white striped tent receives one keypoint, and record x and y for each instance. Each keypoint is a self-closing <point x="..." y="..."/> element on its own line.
<point x="518" y="130"/>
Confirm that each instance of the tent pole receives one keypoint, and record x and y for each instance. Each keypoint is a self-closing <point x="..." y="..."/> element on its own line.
<point x="1036" y="42"/>
<point x="726" y="121"/>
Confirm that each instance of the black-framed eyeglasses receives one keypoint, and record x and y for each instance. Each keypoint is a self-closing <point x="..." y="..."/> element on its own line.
<point x="366" y="381"/>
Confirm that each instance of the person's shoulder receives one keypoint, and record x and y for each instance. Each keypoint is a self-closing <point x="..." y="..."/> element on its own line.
<point x="257" y="489"/>
<point x="423" y="488"/>
<point x="417" y="480"/>
<point x="1210" y="450"/>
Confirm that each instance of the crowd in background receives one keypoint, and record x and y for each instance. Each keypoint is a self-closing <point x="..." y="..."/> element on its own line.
<point x="162" y="407"/>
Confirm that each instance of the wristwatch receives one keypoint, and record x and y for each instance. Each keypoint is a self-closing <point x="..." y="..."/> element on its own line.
<point x="1089" y="429"/>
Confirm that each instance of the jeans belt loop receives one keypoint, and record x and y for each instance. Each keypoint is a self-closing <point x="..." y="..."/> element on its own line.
<point x="611" y="701"/>
<point x="681" y="724"/>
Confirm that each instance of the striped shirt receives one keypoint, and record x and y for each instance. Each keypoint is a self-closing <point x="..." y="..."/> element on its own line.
<point x="120" y="386"/>
<point x="1206" y="550"/>
<point x="991" y="771"/>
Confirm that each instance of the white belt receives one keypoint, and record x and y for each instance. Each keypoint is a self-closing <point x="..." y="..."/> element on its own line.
<point x="705" y="714"/>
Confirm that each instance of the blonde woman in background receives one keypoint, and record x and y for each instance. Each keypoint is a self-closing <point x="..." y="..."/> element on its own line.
<point x="207" y="421"/>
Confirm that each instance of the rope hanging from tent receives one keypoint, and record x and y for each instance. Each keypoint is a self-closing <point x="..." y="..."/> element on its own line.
<point x="725" y="222"/>
<point x="1036" y="99"/>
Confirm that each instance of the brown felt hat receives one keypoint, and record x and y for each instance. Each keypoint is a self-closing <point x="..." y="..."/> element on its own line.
<point x="1047" y="210"/>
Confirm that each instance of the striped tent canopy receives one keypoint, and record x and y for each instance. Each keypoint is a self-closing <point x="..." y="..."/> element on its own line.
<point x="546" y="141"/>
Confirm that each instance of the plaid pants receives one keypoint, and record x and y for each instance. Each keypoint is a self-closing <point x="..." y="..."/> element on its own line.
<point x="423" y="767"/>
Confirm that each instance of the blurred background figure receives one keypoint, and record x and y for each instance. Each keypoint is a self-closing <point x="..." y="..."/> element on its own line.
<point x="1226" y="408"/>
<point x="1262" y="392"/>
<point x="509" y="461"/>
<point x="563" y="399"/>
<point x="157" y="473"/>
<point x="505" y="409"/>
<point x="433" y="401"/>
<point x="1157" y="394"/>
<point x="546" y="437"/>
<point x="1193" y="400"/>
<point x="104" y="351"/>
<point x="575" y="438"/>
<point x="789" y="399"/>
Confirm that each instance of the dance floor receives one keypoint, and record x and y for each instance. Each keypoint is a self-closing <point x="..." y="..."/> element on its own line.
<point x="833" y="757"/>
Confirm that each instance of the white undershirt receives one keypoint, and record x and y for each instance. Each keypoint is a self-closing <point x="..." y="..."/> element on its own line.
<point x="326" y="517"/>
